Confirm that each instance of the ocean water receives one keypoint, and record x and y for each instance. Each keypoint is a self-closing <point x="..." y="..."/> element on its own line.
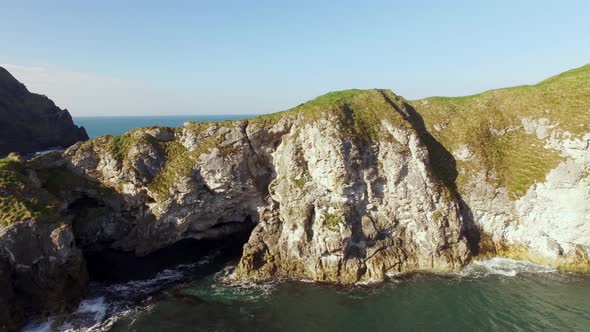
<point x="493" y="295"/>
<point x="117" y="125"/>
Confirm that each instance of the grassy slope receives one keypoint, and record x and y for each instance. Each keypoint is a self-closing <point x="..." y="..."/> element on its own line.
<point x="360" y="110"/>
<point x="19" y="200"/>
<point x="515" y="160"/>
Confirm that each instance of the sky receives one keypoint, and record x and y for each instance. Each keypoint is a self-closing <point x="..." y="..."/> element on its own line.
<point x="113" y="57"/>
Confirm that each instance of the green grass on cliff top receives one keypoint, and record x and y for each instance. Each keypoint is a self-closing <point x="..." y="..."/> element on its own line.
<point x="359" y="112"/>
<point x="19" y="199"/>
<point x="514" y="160"/>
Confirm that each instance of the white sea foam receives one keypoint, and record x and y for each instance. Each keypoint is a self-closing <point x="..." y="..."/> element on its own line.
<point x="504" y="267"/>
<point x="50" y="149"/>
<point x="148" y="286"/>
<point x="115" y="300"/>
<point x="39" y="327"/>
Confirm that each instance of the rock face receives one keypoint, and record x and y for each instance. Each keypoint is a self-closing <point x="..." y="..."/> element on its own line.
<point x="346" y="210"/>
<point x="522" y="167"/>
<point x="30" y="122"/>
<point x="339" y="194"/>
<point x="41" y="271"/>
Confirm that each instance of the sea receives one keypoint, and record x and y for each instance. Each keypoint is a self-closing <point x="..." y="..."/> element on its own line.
<point x="193" y="294"/>
<point x="117" y="125"/>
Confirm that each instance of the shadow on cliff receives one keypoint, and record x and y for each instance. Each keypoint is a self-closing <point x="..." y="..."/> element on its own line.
<point x="444" y="167"/>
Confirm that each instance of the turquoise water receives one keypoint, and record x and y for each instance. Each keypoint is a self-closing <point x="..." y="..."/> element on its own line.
<point x="499" y="296"/>
<point x="116" y="125"/>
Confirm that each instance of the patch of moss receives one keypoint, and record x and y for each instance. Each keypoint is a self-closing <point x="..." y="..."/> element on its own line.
<point x="300" y="183"/>
<point x="332" y="221"/>
<point x="436" y="215"/>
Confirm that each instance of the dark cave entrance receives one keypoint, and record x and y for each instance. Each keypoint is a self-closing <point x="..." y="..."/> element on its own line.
<point x="113" y="266"/>
<point x="219" y="245"/>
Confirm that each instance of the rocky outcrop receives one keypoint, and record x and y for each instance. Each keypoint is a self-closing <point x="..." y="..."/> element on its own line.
<point x="30" y="122"/>
<point x="550" y="223"/>
<point x="522" y="162"/>
<point x="339" y="193"/>
<point x="41" y="271"/>
<point x="347" y="210"/>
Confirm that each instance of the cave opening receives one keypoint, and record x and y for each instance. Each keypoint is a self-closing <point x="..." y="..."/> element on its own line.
<point x="211" y="254"/>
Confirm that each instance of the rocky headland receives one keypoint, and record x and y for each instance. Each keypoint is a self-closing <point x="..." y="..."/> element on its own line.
<point x="30" y="122"/>
<point x="353" y="186"/>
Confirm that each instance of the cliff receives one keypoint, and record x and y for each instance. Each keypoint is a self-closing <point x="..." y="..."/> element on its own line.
<point x="30" y="122"/>
<point x="353" y="186"/>
<point x="522" y="165"/>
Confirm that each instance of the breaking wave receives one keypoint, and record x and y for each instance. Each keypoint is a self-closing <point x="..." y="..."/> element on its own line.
<point x="503" y="267"/>
<point x="107" y="302"/>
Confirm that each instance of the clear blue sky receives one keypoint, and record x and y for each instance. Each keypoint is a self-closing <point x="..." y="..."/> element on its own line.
<point x="179" y="57"/>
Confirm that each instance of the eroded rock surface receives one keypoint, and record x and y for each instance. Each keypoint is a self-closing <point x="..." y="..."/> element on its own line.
<point x="340" y="194"/>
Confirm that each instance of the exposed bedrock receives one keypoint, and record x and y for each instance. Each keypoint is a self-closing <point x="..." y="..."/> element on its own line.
<point x="41" y="272"/>
<point x="338" y="195"/>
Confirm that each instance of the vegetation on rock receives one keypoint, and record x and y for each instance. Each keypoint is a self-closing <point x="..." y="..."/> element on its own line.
<point x="19" y="199"/>
<point x="490" y="126"/>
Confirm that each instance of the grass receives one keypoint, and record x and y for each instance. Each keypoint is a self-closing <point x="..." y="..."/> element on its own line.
<point x="19" y="200"/>
<point x="179" y="163"/>
<point x="514" y="160"/>
<point x="119" y="146"/>
<point x="60" y="180"/>
<point x="358" y="112"/>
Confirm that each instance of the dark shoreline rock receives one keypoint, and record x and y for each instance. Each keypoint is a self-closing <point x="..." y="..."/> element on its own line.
<point x="30" y="122"/>
<point x="42" y="272"/>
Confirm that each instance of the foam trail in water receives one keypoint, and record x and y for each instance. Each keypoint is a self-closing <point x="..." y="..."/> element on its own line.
<point x="39" y="327"/>
<point x="110" y="301"/>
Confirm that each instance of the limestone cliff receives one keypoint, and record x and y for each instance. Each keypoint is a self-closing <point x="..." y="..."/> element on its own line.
<point x="30" y="122"/>
<point x="340" y="188"/>
<point x="522" y="166"/>
<point x="42" y="271"/>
